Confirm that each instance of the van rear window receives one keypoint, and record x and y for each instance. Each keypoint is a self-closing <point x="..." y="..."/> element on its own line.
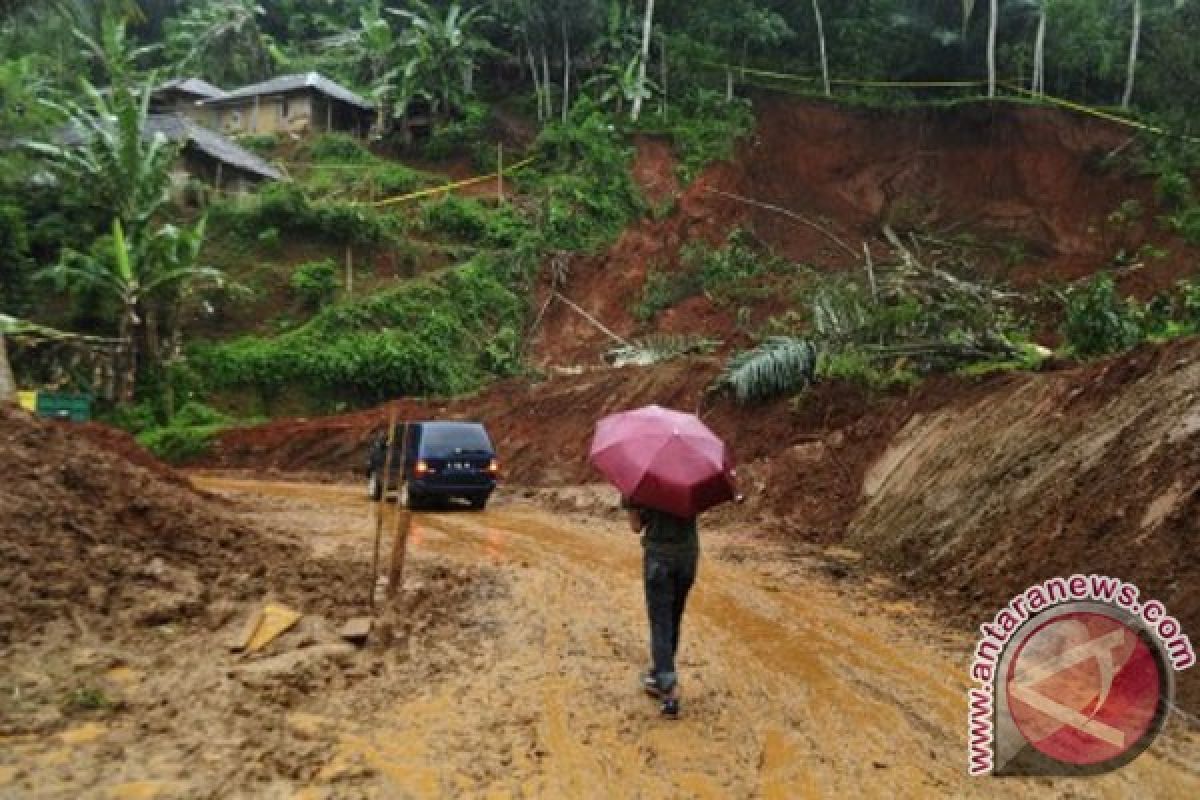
<point x="446" y="439"/>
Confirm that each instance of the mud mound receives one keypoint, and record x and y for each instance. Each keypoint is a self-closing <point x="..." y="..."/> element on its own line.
<point x="86" y="533"/>
<point x="1096" y="470"/>
<point x="123" y="444"/>
<point x="541" y="430"/>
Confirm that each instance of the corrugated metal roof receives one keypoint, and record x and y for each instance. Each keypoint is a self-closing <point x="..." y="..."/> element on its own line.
<point x="292" y="83"/>
<point x="193" y="86"/>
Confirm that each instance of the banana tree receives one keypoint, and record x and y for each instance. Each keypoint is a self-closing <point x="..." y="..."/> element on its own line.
<point x="440" y="53"/>
<point x="146" y="279"/>
<point x="617" y="84"/>
<point x="123" y="173"/>
<point x="368" y="53"/>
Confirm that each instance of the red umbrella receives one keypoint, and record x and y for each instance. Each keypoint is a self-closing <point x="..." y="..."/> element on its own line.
<point x="664" y="459"/>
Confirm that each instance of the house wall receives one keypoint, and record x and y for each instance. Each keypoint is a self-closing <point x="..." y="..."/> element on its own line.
<point x="291" y="113"/>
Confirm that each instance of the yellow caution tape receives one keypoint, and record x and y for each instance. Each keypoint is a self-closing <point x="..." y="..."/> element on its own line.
<point x="1006" y="84"/>
<point x="840" y="81"/>
<point x="452" y="186"/>
<point x="1095" y="112"/>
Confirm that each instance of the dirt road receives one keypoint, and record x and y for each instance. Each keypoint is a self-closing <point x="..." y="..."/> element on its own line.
<point x="794" y="686"/>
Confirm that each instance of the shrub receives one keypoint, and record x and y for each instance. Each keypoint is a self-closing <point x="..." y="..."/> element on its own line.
<point x="459" y="218"/>
<point x="194" y="414"/>
<point x="1187" y="224"/>
<point x="264" y="144"/>
<point x="430" y="337"/>
<point x="285" y="208"/>
<point x="176" y="445"/>
<point x="1098" y="321"/>
<point x="663" y="290"/>
<point x="457" y="136"/>
<point x="705" y="129"/>
<point x="338" y="148"/>
<point x="315" y="283"/>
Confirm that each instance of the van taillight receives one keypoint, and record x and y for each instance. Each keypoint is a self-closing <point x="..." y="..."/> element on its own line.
<point x="422" y="468"/>
<point x="494" y="466"/>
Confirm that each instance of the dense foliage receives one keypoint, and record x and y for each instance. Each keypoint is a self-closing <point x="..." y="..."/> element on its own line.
<point x="434" y="337"/>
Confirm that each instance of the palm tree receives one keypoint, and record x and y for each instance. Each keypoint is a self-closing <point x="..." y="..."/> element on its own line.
<point x="440" y="53"/>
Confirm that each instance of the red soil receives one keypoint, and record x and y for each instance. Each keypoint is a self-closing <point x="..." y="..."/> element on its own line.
<point x="1024" y="181"/>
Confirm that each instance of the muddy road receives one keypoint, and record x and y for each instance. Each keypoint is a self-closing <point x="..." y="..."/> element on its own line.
<point x="795" y="684"/>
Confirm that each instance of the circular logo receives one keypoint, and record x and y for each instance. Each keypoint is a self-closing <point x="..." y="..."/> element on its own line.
<point x="1087" y="688"/>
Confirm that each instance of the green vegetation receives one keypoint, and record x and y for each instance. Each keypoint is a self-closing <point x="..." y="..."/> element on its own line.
<point x="89" y="698"/>
<point x="1098" y="321"/>
<point x="340" y="166"/>
<point x="286" y="208"/>
<point x="434" y="337"/>
<point x="315" y="283"/>
<point x="778" y="366"/>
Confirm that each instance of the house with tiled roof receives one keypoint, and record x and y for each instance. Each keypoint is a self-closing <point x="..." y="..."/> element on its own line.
<point x="300" y="104"/>
<point x="204" y="155"/>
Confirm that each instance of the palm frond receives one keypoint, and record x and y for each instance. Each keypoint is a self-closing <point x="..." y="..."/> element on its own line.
<point x="779" y="366"/>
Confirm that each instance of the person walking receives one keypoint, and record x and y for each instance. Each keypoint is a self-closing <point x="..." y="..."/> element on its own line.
<point x="671" y="549"/>
<point x="669" y="467"/>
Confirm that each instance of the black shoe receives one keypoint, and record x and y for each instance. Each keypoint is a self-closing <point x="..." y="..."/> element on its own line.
<point x="670" y="708"/>
<point x="650" y="684"/>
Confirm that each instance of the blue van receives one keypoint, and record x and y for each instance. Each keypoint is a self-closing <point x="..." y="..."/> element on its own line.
<point x="443" y="460"/>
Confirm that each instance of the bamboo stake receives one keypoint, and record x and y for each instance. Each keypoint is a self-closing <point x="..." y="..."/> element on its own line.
<point x="379" y="504"/>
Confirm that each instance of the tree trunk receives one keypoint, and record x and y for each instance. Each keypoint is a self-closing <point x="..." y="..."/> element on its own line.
<point x="566" y="47"/>
<point x="728" y="85"/>
<point x="993" y="21"/>
<point x="1039" y="54"/>
<point x="537" y="83"/>
<point x="128" y="334"/>
<point x="647" y="27"/>
<point x="821" y="40"/>
<point x="8" y="387"/>
<point x="546" y="82"/>
<point x="662" y="54"/>
<point x="1127" y="98"/>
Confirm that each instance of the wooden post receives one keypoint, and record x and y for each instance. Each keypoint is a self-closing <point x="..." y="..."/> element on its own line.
<point x="500" y="172"/>
<point x="349" y="269"/>
<point x="379" y="504"/>
<point x="402" y="524"/>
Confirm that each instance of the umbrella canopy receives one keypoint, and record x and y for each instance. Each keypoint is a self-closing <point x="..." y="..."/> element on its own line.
<point x="663" y="459"/>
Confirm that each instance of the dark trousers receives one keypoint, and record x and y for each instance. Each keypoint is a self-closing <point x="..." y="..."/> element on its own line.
<point x="669" y="578"/>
